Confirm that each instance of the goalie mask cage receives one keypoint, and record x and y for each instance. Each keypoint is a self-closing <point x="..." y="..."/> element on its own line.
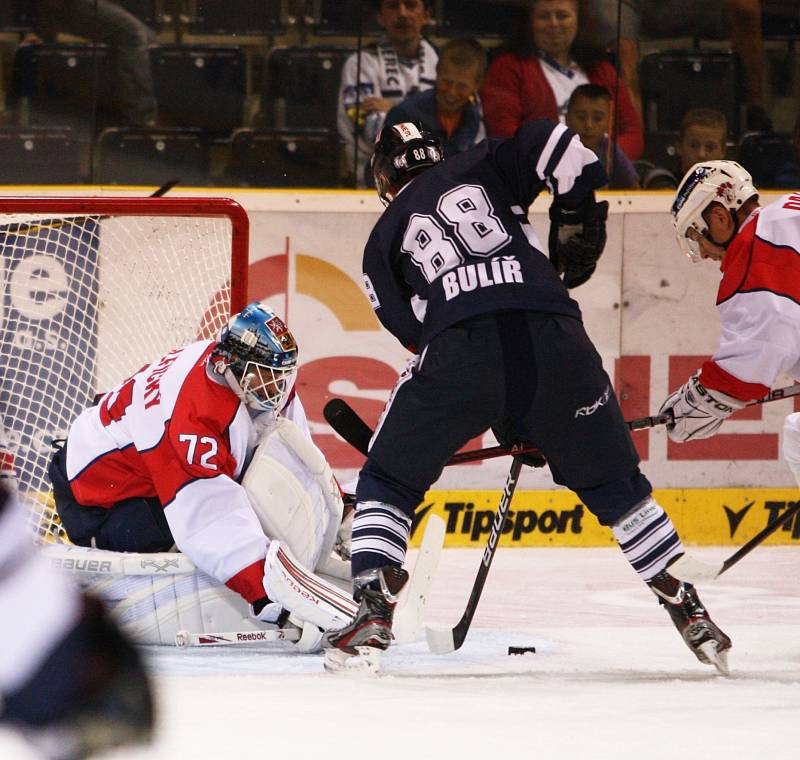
<point x="94" y="289"/>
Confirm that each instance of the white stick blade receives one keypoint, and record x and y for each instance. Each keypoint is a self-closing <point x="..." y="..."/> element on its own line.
<point x="440" y="640"/>
<point x="414" y="598"/>
<point x="693" y="570"/>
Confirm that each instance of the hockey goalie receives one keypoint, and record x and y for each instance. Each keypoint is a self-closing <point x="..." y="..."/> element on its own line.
<point x="196" y="500"/>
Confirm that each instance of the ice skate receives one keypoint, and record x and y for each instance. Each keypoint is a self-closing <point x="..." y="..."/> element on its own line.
<point x="709" y="644"/>
<point x="357" y="646"/>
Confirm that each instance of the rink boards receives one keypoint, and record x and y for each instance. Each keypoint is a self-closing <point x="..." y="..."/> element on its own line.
<point x="712" y="516"/>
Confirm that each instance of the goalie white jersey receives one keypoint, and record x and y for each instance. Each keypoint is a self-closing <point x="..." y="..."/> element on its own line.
<point x="759" y="303"/>
<point x="173" y="432"/>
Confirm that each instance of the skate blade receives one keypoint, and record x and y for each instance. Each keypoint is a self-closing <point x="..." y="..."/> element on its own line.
<point x="718" y="659"/>
<point x="366" y="662"/>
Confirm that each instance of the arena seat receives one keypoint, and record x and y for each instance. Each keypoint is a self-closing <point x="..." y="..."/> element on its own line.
<point x="764" y="154"/>
<point x="59" y="84"/>
<point x="200" y="86"/>
<point x="252" y="17"/>
<point x="39" y="155"/>
<point x="16" y="15"/>
<point x="285" y="158"/>
<point x="483" y="18"/>
<point x="674" y="81"/>
<point x="134" y="156"/>
<point x="344" y="17"/>
<point x="301" y="87"/>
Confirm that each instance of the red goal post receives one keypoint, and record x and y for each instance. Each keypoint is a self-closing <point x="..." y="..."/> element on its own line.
<point x="94" y="288"/>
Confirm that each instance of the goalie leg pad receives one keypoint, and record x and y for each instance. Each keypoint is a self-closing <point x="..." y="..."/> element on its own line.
<point x="292" y="491"/>
<point x="791" y="444"/>
<point x="306" y="595"/>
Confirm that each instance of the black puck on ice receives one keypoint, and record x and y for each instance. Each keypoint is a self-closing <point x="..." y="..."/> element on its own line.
<point x="522" y="650"/>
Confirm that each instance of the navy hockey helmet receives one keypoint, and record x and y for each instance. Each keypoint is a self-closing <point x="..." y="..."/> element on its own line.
<point x="401" y="152"/>
<point x="257" y="356"/>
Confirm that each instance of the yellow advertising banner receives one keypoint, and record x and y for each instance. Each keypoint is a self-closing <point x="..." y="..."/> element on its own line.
<point x="702" y="516"/>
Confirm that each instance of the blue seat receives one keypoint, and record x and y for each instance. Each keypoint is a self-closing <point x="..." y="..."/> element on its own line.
<point x="39" y="156"/>
<point x="674" y="81"/>
<point x="285" y="158"/>
<point x="61" y="84"/>
<point x="200" y="86"/>
<point x="765" y="155"/>
<point x="345" y="17"/>
<point x="235" y="16"/>
<point x="301" y="87"/>
<point x="151" y="12"/>
<point x="152" y="156"/>
<point x="481" y="18"/>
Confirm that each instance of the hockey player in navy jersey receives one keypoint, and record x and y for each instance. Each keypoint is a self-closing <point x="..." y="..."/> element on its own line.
<point x="70" y="682"/>
<point x="456" y="273"/>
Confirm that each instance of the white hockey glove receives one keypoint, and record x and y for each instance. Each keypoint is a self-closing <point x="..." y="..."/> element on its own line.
<point x="697" y="411"/>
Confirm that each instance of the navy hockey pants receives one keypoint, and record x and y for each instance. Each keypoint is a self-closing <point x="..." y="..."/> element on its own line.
<point x="131" y="525"/>
<point x="531" y="377"/>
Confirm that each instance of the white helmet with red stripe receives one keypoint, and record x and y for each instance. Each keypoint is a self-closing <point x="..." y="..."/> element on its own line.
<point x="723" y="182"/>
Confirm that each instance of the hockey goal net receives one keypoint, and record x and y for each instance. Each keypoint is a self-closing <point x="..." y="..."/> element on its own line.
<point x="93" y="289"/>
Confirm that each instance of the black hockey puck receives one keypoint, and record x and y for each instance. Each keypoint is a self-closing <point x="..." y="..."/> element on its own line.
<point x="522" y="650"/>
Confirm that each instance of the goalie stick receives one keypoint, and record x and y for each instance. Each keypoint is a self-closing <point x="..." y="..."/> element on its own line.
<point x="185" y="639"/>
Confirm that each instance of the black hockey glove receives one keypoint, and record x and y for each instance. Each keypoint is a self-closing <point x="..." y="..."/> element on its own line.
<point x="577" y="238"/>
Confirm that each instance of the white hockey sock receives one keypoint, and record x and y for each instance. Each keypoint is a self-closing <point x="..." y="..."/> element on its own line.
<point x="647" y="538"/>
<point x="380" y="536"/>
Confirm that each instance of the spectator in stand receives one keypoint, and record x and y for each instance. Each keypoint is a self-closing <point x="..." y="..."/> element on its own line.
<point x="713" y="19"/>
<point x="396" y="66"/>
<point x="589" y="114"/>
<point x="128" y="38"/>
<point x="452" y="109"/>
<point x="702" y="137"/>
<point x="535" y="76"/>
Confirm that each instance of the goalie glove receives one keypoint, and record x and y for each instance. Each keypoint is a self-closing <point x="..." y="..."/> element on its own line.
<point x="577" y="239"/>
<point x="697" y="411"/>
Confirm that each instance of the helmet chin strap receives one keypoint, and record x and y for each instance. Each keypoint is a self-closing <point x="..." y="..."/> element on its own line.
<point x="735" y="216"/>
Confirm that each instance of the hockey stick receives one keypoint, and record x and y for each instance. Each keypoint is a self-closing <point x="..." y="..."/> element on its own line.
<point x="444" y="640"/>
<point x="410" y="609"/>
<point x="689" y="569"/>
<point x="346" y="422"/>
<point x="79" y="559"/>
<point x="185" y="639"/>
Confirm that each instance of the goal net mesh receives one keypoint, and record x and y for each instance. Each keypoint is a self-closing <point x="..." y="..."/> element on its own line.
<point x="87" y="301"/>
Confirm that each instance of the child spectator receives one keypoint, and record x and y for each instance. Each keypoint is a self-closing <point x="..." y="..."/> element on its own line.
<point x="701" y="138"/>
<point x="452" y="110"/>
<point x="589" y="114"/>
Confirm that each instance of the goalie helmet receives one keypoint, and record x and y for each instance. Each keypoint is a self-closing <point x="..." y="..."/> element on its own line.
<point x="723" y="182"/>
<point x="257" y="356"/>
<point x="401" y="152"/>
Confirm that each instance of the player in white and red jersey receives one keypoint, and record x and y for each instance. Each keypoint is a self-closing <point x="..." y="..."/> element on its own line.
<point x="717" y="216"/>
<point x="158" y="462"/>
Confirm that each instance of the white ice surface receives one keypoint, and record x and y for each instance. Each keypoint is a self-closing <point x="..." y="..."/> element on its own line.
<point x="611" y="678"/>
